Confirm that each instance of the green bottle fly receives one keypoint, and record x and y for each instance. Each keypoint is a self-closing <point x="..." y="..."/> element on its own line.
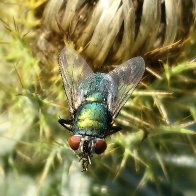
<point x="95" y="99"/>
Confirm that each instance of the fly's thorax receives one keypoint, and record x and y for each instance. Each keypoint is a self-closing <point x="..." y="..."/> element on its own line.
<point x="92" y="117"/>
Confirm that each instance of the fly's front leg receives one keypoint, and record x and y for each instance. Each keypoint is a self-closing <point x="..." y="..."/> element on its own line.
<point x="113" y="130"/>
<point x="66" y="123"/>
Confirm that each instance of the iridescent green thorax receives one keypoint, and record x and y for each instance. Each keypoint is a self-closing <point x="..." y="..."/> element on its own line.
<point x="92" y="117"/>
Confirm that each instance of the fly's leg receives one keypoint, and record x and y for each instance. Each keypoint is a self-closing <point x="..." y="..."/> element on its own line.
<point x="66" y="123"/>
<point x="113" y="130"/>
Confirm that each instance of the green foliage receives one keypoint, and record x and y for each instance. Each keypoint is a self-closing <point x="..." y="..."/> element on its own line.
<point x="34" y="156"/>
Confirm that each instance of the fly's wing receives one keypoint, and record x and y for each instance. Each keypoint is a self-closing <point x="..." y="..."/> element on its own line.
<point x="126" y="77"/>
<point x="74" y="70"/>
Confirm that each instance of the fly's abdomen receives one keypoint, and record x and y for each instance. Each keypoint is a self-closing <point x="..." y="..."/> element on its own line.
<point x="92" y="118"/>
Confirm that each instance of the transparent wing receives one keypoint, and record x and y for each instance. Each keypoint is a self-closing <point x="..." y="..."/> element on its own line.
<point x="126" y="77"/>
<point x="74" y="70"/>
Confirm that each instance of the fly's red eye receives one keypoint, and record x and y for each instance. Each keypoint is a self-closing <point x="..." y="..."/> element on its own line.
<point x="100" y="146"/>
<point x="74" y="142"/>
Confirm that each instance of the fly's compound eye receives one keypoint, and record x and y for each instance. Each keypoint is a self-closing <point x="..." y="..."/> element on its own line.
<point x="100" y="146"/>
<point x="74" y="141"/>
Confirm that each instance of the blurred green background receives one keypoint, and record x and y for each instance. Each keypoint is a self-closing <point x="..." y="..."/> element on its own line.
<point x="34" y="156"/>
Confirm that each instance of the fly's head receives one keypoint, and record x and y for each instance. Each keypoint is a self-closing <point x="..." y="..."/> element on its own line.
<point x="85" y="147"/>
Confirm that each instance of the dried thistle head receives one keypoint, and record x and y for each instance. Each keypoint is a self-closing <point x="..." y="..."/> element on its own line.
<point x="109" y="32"/>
